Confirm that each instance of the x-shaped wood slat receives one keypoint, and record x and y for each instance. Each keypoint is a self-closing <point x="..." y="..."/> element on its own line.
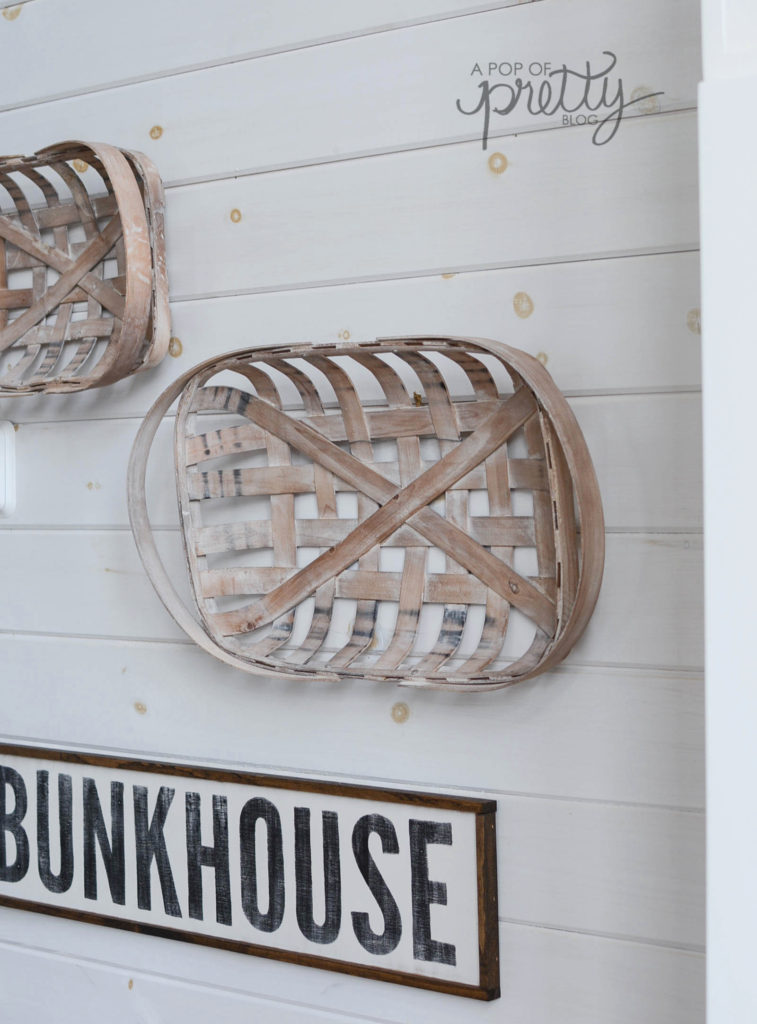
<point x="73" y="273"/>
<point x="397" y="506"/>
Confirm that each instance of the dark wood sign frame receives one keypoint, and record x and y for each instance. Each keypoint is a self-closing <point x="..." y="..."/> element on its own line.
<point x="486" y="868"/>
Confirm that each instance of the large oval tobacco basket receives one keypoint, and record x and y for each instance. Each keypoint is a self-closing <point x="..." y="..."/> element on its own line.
<point x="83" y="289"/>
<point x="344" y="515"/>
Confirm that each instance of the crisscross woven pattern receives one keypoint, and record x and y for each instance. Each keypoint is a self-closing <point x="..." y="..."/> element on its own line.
<point x="83" y="291"/>
<point x="420" y="510"/>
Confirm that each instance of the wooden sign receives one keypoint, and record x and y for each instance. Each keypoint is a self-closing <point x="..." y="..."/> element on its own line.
<point x="387" y="884"/>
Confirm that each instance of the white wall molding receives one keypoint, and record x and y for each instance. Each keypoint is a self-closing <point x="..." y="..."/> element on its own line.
<point x="728" y="151"/>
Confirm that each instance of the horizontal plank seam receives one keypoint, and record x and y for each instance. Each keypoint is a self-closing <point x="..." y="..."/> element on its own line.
<point x="101" y="636"/>
<point x="491" y="270"/>
<point x="652" y="667"/>
<point x="640" y="666"/>
<point x="367" y="780"/>
<point x="411" y="275"/>
<point x="273" y="51"/>
<point x="677" y="947"/>
<point x="569" y="669"/>
<point x="662" y="390"/>
<point x="651" y="390"/>
<point x="427" y="144"/>
<point x="463" y="139"/>
<point x="665" y="531"/>
<point x="117" y="528"/>
<point x="26" y="527"/>
<point x="82" y="528"/>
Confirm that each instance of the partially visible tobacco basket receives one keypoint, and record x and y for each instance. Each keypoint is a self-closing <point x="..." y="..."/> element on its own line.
<point x="418" y="510"/>
<point x="83" y="288"/>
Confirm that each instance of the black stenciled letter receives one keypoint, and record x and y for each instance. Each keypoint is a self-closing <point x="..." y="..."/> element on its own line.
<point x="215" y="856"/>
<point x="332" y="880"/>
<point x="252" y="812"/>
<point x="112" y="849"/>
<point x="425" y="891"/>
<point x="10" y="821"/>
<point x="151" y="843"/>
<point x="387" y="940"/>
<point x="62" y="881"/>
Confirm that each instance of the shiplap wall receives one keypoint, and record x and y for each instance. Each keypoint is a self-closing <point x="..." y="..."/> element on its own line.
<point x="368" y="206"/>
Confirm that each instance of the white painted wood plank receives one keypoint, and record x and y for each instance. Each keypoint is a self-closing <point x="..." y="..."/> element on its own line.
<point x="602" y="325"/>
<point x="594" y="734"/>
<point x="327" y="103"/>
<point x="556" y="976"/>
<point x="439" y="210"/>
<point x="114" y="596"/>
<point x="546" y="976"/>
<point x="86" y="992"/>
<point x="627" y="871"/>
<point x="649" y="611"/>
<point x="650" y="607"/>
<point x="645" y="449"/>
<point x="155" y="39"/>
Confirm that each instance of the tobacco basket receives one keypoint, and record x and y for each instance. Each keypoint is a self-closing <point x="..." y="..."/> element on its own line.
<point x="83" y="289"/>
<point x="420" y="510"/>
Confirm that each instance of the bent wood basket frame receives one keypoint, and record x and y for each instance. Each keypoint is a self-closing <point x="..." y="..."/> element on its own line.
<point x="344" y="515"/>
<point x="83" y="288"/>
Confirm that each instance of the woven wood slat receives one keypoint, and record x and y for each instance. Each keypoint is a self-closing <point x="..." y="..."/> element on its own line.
<point x="417" y="510"/>
<point x="83" y="289"/>
<point x="491" y="531"/>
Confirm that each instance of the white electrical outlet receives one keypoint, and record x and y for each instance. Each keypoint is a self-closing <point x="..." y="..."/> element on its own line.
<point x="7" y="468"/>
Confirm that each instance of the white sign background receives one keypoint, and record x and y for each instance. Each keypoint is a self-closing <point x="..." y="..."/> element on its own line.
<point x="454" y="865"/>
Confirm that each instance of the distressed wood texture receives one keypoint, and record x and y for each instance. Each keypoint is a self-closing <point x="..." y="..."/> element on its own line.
<point x="92" y="307"/>
<point x="443" y="454"/>
<point x="472" y="962"/>
<point x="308" y="113"/>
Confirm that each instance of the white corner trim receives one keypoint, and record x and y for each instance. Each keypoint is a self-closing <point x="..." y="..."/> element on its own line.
<point x="729" y="38"/>
<point x="7" y="468"/>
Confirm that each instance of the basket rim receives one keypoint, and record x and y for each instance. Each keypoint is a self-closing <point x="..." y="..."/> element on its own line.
<point x="122" y="354"/>
<point x="538" y="381"/>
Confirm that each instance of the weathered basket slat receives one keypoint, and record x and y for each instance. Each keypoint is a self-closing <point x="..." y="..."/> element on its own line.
<point x="83" y="290"/>
<point x="344" y="515"/>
